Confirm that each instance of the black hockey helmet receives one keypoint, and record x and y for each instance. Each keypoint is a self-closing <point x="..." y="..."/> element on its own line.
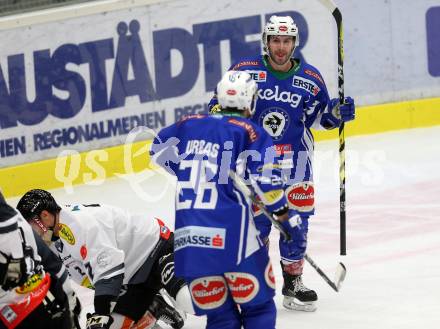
<point x="34" y="202"/>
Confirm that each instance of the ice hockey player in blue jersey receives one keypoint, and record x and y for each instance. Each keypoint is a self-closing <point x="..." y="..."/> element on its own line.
<point x="217" y="246"/>
<point x="292" y="99"/>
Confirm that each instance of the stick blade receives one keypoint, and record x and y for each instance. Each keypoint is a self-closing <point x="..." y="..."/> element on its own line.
<point x="341" y="272"/>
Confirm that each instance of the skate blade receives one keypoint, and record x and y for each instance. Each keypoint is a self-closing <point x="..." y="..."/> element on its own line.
<point x="291" y="303"/>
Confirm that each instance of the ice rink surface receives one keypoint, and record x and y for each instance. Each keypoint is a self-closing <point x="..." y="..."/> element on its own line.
<point x="393" y="231"/>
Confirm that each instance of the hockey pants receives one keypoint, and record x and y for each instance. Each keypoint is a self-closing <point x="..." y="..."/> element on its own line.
<point x="229" y="306"/>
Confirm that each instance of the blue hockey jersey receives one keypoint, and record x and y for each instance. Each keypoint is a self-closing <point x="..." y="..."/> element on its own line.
<point x="288" y="105"/>
<point x="214" y="227"/>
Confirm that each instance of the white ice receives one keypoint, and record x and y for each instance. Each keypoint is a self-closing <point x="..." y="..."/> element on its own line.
<point x="393" y="231"/>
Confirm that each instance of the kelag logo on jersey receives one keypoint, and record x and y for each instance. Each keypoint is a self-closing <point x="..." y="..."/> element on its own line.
<point x="199" y="236"/>
<point x="433" y="37"/>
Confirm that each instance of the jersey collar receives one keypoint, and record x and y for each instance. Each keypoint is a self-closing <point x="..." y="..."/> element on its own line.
<point x="282" y="75"/>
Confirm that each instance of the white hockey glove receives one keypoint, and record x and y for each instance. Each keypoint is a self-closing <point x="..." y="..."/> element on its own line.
<point x="98" y="321"/>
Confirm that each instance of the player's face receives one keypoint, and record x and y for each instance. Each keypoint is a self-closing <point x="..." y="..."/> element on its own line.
<point x="42" y="223"/>
<point x="280" y="48"/>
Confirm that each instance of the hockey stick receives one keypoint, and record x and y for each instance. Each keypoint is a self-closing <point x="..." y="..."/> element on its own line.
<point x="241" y="185"/>
<point x="340" y="274"/>
<point x="338" y="19"/>
<point x="340" y="270"/>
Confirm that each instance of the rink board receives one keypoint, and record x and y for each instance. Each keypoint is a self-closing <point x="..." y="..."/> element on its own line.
<point x="92" y="167"/>
<point x="183" y="74"/>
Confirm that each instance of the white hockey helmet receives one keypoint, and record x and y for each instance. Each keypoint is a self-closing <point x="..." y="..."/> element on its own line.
<point x="280" y="25"/>
<point x="237" y="90"/>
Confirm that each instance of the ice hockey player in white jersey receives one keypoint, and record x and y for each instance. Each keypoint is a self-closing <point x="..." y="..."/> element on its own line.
<point x="128" y="257"/>
<point x="35" y="290"/>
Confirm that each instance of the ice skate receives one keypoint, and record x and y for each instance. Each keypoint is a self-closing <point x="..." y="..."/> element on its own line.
<point x="164" y="312"/>
<point x="296" y="295"/>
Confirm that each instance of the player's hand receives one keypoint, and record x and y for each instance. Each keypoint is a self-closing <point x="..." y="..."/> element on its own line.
<point x="336" y="113"/>
<point x="342" y="112"/>
<point x="98" y="321"/>
<point x="290" y="224"/>
<point x="347" y="110"/>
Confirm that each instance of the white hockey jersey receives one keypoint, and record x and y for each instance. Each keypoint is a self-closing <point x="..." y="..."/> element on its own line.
<point x="108" y="241"/>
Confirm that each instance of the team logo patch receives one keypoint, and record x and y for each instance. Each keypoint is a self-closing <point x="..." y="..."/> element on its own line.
<point x="301" y="196"/>
<point x="164" y="230"/>
<point x="66" y="234"/>
<point x="268" y="276"/>
<point x="275" y="121"/>
<point x="243" y="286"/>
<point x="103" y="259"/>
<point x="306" y="84"/>
<point x="167" y="273"/>
<point x="258" y="76"/>
<point x="209" y="292"/>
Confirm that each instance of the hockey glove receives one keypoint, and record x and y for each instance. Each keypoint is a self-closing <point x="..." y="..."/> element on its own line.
<point x="293" y="221"/>
<point x="97" y="321"/>
<point x="336" y="113"/>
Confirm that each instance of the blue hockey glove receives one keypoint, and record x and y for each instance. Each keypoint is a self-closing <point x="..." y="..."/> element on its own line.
<point x="347" y="109"/>
<point x="336" y="113"/>
<point x="293" y="221"/>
